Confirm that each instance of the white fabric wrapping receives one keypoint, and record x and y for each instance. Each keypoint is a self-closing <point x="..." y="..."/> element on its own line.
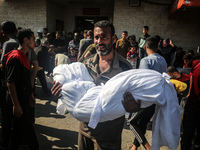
<point x="94" y="104"/>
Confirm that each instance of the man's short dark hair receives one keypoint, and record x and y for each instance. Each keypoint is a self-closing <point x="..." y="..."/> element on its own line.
<point x="134" y="44"/>
<point x="188" y="57"/>
<point x="167" y="40"/>
<point x="105" y="23"/>
<point x="152" y="43"/>
<point x="146" y="27"/>
<point x="191" y="51"/>
<point x="158" y="38"/>
<point x="24" y="33"/>
<point x="171" y="69"/>
<point x="133" y="37"/>
<point x="126" y="32"/>
<point x="9" y="27"/>
<point x="90" y="33"/>
<point x="85" y="31"/>
<point x="45" y="29"/>
<point x="58" y="32"/>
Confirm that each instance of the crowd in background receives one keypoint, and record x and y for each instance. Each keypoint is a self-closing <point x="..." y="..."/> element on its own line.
<point x="60" y="47"/>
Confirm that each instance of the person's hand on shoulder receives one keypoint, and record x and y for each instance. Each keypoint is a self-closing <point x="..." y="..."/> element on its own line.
<point x="129" y="103"/>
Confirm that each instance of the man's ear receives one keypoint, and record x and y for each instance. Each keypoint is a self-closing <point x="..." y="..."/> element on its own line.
<point x="26" y="40"/>
<point x="145" y="48"/>
<point x="113" y="39"/>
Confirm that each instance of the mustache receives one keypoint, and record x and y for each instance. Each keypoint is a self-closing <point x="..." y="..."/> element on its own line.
<point x="101" y="45"/>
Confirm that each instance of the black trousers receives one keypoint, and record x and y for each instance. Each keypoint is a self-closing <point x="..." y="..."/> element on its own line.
<point x="191" y="122"/>
<point x="23" y="130"/>
<point x="6" y="110"/>
<point x="137" y="122"/>
<point x="14" y="129"/>
<point x="85" y="143"/>
<point x="43" y="81"/>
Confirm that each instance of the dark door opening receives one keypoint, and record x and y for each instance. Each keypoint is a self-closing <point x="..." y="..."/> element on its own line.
<point x="87" y="23"/>
<point x="59" y="25"/>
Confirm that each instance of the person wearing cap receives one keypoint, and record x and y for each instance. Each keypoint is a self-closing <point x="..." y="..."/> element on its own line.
<point x="40" y="36"/>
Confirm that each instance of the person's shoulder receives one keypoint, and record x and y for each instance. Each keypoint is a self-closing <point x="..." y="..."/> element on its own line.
<point x="119" y="40"/>
<point x="13" y="62"/>
<point x="89" y="60"/>
<point x="123" y="63"/>
<point x="10" y="42"/>
<point x="71" y="41"/>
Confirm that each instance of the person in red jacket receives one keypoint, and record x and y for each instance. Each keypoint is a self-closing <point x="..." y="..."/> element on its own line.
<point x="191" y="119"/>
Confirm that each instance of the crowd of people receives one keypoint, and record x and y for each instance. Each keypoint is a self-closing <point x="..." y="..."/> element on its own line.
<point x="23" y="57"/>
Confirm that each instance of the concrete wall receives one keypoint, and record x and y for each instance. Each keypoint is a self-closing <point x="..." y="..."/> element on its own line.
<point x="54" y="12"/>
<point x="72" y="11"/>
<point x="182" y="27"/>
<point x="25" y="13"/>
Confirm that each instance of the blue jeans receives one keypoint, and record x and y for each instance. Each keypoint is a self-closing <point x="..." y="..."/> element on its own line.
<point x="142" y="53"/>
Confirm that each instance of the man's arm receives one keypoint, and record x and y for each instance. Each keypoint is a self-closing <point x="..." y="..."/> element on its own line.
<point x="17" y="110"/>
<point x="191" y="78"/>
<point x="79" y="55"/>
<point x="34" y="72"/>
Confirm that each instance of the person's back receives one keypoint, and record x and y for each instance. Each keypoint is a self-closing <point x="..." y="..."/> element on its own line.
<point x="138" y="122"/>
<point x="42" y="56"/>
<point x="154" y="62"/>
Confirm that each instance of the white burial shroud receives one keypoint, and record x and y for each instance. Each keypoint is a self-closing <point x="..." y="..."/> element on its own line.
<point x="90" y="103"/>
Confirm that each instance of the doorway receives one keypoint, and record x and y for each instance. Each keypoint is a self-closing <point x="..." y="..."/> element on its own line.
<point x="59" y="25"/>
<point x="87" y="23"/>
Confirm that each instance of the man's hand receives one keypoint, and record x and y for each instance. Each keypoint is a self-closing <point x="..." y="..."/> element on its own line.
<point x="17" y="110"/>
<point x="170" y="42"/>
<point x="55" y="90"/>
<point x="129" y="103"/>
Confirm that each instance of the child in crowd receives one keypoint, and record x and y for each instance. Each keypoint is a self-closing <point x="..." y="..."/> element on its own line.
<point x="73" y="56"/>
<point x="132" y="55"/>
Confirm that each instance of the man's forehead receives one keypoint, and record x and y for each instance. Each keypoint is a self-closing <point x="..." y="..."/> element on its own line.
<point x="104" y="30"/>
